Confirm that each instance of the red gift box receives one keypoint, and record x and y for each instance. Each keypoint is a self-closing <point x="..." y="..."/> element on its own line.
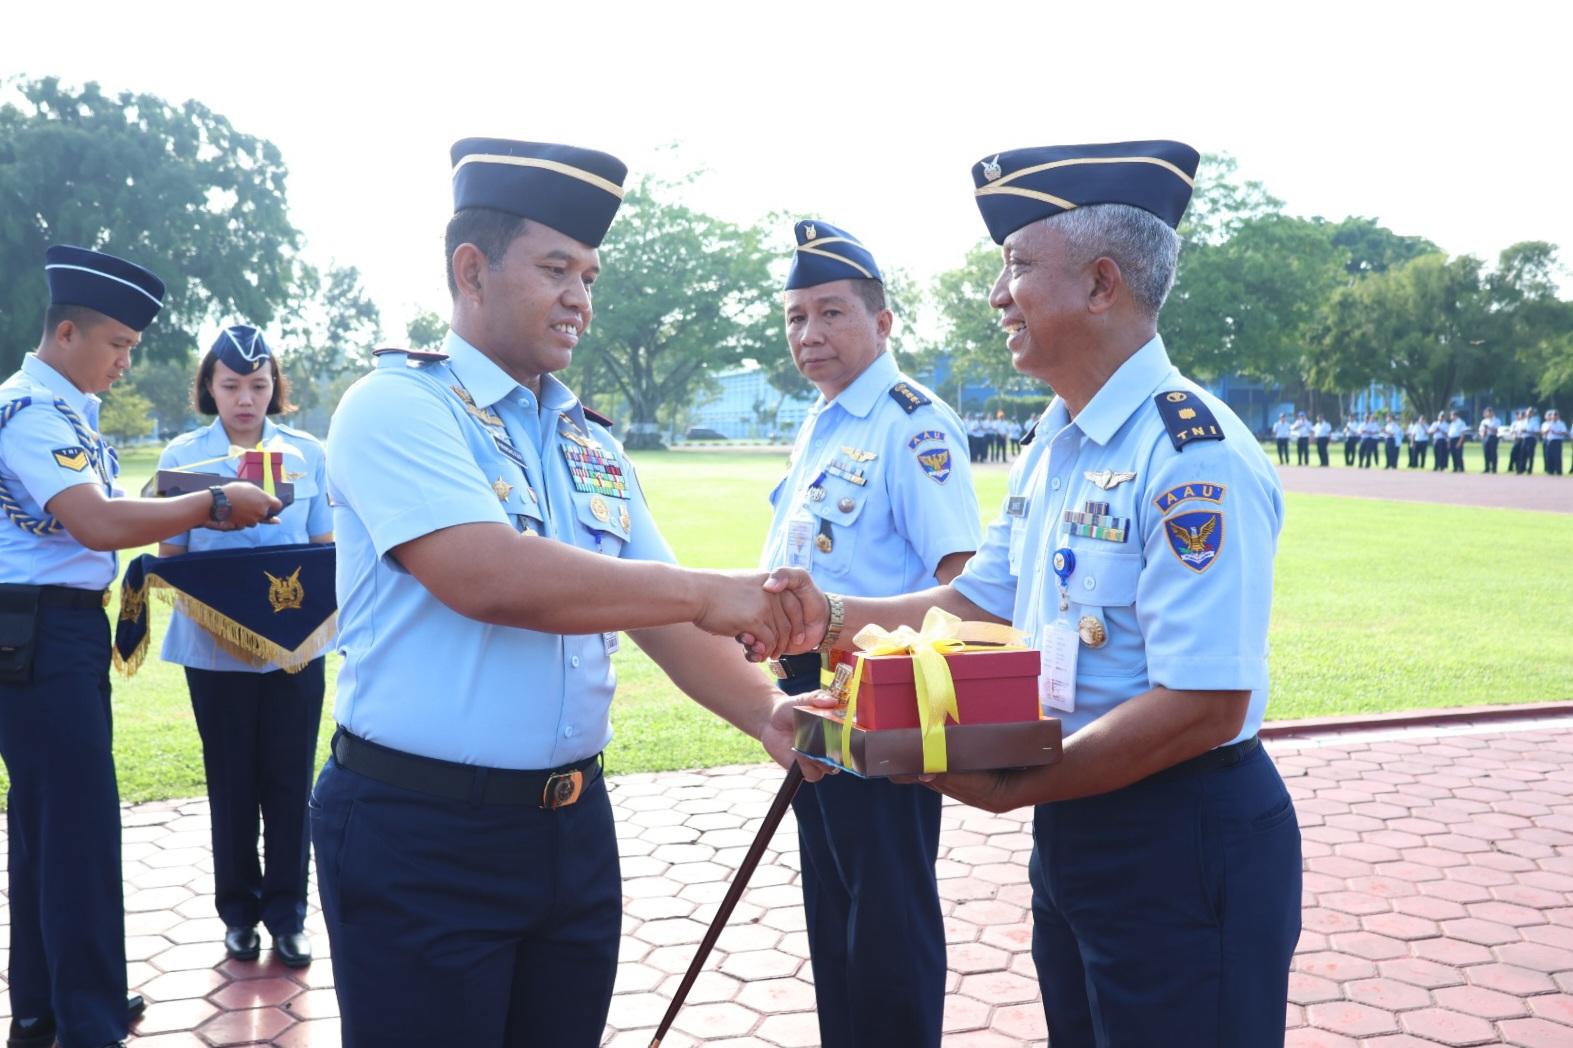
<point x="250" y="467"/>
<point x="992" y="687"/>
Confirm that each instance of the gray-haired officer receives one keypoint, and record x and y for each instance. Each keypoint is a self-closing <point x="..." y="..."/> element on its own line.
<point x="65" y="517"/>
<point x="492" y="539"/>
<point x="877" y="500"/>
<point x="1166" y="865"/>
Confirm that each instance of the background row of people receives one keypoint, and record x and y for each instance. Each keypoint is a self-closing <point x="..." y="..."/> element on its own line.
<point x="1376" y="438"/>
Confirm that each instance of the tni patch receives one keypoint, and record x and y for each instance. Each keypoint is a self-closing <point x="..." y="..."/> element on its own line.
<point x="1196" y="538"/>
<point x="74" y="459"/>
<point x="1204" y="490"/>
<point x="909" y="398"/>
<point x="1186" y="418"/>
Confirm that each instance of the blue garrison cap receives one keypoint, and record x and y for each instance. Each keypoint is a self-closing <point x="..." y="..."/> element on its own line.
<point x="241" y="348"/>
<point x="1021" y="186"/>
<point x="575" y="191"/>
<point x="121" y="290"/>
<point x="825" y="253"/>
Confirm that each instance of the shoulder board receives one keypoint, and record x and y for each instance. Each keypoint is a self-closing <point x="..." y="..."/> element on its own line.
<point x="424" y="356"/>
<point x="909" y="398"/>
<point x="1032" y="431"/>
<point x="1186" y="418"/>
<point x="597" y="417"/>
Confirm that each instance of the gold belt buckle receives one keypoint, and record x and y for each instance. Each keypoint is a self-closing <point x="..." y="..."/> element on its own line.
<point x="562" y="790"/>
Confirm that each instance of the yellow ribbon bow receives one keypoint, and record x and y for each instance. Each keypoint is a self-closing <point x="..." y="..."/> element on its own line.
<point x="941" y="633"/>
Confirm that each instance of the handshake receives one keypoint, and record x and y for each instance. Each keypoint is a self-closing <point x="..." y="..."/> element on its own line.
<point x="770" y="614"/>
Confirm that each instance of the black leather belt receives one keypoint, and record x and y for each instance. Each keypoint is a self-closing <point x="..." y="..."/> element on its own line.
<point x="70" y="597"/>
<point x="1222" y="757"/>
<point x="557" y="788"/>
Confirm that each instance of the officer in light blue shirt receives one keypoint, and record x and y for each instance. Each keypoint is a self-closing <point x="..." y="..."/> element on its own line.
<point x="258" y="723"/>
<point x="1136" y="546"/>
<point x="492" y="539"/>
<point x="877" y="500"/>
<point x="64" y="518"/>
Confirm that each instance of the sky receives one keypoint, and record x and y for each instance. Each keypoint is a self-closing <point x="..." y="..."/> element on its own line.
<point x="1448" y="121"/>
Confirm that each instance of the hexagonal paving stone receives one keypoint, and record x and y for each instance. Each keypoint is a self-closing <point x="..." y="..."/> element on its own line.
<point x="1447" y="1027"/>
<point x="1351" y="1018"/>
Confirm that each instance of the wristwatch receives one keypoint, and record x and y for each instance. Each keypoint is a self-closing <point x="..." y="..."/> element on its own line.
<point x="838" y="613"/>
<point x="220" y="511"/>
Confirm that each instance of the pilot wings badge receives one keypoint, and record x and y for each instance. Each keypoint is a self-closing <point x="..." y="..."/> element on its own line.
<point x="1107" y="479"/>
<point x="1196" y="538"/>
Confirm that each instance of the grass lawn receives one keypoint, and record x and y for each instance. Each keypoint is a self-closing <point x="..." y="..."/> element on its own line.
<point x="1378" y="606"/>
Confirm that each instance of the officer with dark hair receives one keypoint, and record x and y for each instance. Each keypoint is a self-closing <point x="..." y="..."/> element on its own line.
<point x="65" y="517"/>
<point x="492" y="540"/>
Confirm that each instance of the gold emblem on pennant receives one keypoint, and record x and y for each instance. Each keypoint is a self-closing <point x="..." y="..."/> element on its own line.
<point x="1108" y="478"/>
<point x="503" y="489"/>
<point x="991" y="168"/>
<point x="809" y="232"/>
<point x="598" y="508"/>
<point x="285" y="594"/>
<point x="491" y="418"/>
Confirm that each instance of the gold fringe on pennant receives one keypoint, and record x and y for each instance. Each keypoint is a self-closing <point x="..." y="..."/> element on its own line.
<point x="237" y="640"/>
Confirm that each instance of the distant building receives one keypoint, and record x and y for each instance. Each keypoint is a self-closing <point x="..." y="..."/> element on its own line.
<point x="745" y="407"/>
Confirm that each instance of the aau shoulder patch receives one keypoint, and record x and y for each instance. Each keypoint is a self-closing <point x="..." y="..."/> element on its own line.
<point x="1186" y="418"/>
<point x="74" y="458"/>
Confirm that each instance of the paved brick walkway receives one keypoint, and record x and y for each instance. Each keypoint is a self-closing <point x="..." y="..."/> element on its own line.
<point x="1438" y="909"/>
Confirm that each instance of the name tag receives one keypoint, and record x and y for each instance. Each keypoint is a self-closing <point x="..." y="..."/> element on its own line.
<point x="799" y="543"/>
<point x="1060" y="644"/>
<point x="611" y="641"/>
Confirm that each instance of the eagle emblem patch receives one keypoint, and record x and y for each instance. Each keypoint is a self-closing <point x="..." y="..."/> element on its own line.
<point x="1196" y="538"/>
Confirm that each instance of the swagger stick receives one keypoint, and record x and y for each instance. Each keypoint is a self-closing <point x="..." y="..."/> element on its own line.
<point x="767" y="830"/>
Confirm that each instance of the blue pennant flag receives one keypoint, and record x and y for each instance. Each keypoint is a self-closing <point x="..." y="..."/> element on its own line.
<point x="274" y="604"/>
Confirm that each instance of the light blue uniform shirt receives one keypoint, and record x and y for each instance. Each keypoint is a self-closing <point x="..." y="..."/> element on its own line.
<point x="1168" y="624"/>
<point x="915" y="504"/>
<point x="186" y="643"/>
<point x="407" y="458"/>
<point x="35" y="473"/>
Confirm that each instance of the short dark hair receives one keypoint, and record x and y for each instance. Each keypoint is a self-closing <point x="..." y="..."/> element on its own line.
<point x="202" y="393"/>
<point x="872" y="292"/>
<point x="81" y="316"/>
<point x="490" y="230"/>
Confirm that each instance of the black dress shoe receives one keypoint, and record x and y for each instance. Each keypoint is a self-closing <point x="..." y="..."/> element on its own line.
<point x="242" y="943"/>
<point x="40" y="1033"/>
<point x="32" y="1033"/>
<point x="294" y="950"/>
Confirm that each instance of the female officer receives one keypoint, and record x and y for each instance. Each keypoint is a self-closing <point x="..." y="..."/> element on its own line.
<point x="258" y="723"/>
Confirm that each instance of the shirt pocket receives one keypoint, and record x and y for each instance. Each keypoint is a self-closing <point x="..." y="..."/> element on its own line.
<point x="1104" y="587"/>
<point x="603" y="522"/>
<point x="836" y="516"/>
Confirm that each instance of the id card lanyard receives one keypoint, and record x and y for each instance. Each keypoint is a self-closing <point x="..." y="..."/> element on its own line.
<point x="1060" y="643"/>
<point x="797" y="550"/>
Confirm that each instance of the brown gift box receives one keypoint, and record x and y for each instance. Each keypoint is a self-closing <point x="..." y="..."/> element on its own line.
<point x="899" y="751"/>
<point x="170" y="482"/>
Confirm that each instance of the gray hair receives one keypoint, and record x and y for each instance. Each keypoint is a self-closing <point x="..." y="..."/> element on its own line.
<point x="1139" y="242"/>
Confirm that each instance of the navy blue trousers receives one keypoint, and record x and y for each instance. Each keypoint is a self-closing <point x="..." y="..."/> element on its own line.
<point x="465" y="924"/>
<point x="1167" y="913"/>
<point x="875" y="932"/>
<point x="68" y="939"/>
<point x="259" y="745"/>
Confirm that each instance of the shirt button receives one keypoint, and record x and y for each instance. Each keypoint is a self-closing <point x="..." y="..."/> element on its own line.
<point x="1055" y="483"/>
<point x="1089" y="582"/>
<point x="574" y="662"/>
<point x="568" y="732"/>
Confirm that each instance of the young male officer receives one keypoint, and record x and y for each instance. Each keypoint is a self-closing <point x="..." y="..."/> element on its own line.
<point x="877" y="500"/>
<point x="65" y="517"/>
<point x="492" y="541"/>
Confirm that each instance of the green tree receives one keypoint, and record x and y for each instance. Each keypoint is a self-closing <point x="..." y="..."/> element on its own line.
<point x="426" y="331"/>
<point x="125" y="415"/>
<point x="327" y="342"/>
<point x="173" y="187"/>
<point x="166" y="384"/>
<point x="971" y="343"/>
<point x="681" y="295"/>
<point x="1373" y="248"/>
